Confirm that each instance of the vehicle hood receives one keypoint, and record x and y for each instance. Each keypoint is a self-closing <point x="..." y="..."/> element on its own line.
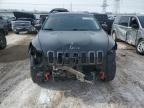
<point x="73" y="40"/>
<point x="23" y="15"/>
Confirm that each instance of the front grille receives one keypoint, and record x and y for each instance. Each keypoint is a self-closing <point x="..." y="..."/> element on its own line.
<point x="70" y="58"/>
<point x="91" y="57"/>
<point x="22" y="24"/>
<point x="51" y="57"/>
<point x="99" y="57"/>
<point x="59" y="57"/>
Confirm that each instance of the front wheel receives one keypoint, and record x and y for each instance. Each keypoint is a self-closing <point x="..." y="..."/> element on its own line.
<point x="3" y="41"/>
<point x="114" y="36"/>
<point x="140" y="47"/>
<point x="17" y="32"/>
<point x="110" y="71"/>
<point x="36" y="76"/>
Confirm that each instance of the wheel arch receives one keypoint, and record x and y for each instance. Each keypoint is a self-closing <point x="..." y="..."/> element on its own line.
<point x="113" y="31"/>
<point x="2" y="30"/>
<point x="139" y="40"/>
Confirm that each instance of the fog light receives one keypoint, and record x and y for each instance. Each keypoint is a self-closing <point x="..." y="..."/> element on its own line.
<point x="102" y="75"/>
<point x="46" y="76"/>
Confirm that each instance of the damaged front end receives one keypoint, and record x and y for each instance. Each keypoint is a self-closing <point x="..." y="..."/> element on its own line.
<point x="85" y="66"/>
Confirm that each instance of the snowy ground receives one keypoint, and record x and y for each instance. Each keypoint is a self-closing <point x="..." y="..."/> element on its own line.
<point x="18" y="91"/>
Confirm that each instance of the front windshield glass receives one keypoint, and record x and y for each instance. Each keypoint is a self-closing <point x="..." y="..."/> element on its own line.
<point x="70" y="22"/>
<point x="141" y="19"/>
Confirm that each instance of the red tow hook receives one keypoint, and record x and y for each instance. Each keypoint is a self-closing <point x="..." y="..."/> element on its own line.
<point x="46" y="76"/>
<point x="102" y="75"/>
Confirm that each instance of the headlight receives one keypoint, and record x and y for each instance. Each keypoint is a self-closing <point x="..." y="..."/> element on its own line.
<point x="113" y="50"/>
<point x="36" y="54"/>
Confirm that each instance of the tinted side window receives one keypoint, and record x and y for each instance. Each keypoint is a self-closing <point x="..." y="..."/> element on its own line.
<point x="116" y="21"/>
<point x="124" y="21"/>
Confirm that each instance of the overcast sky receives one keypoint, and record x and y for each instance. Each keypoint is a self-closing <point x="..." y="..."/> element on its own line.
<point x="128" y="6"/>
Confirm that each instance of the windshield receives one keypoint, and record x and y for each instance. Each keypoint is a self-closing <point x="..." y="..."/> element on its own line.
<point x="70" y="22"/>
<point x="141" y="19"/>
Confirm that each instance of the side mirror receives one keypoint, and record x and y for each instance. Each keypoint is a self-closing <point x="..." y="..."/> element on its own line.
<point x="135" y="26"/>
<point x="105" y="27"/>
<point x="38" y="27"/>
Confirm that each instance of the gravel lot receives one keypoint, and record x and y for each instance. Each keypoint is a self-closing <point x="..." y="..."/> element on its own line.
<point x="18" y="91"/>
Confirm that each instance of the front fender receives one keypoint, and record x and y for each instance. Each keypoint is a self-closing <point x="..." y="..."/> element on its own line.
<point x="112" y="45"/>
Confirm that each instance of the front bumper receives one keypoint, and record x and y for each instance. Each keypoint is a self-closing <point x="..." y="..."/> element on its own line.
<point x="24" y="29"/>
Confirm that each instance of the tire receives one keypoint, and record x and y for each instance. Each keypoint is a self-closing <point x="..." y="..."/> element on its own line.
<point x="114" y="36"/>
<point x="33" y="76"/>
<point x="6" y="33"/>
<point x="17" y="32"/>
<point x="34" y="73"/>
<point x="140" y="47"/>
<point x="111" y="74"/>
<point x="3" y="42"/>
<point x="110" y="68"/>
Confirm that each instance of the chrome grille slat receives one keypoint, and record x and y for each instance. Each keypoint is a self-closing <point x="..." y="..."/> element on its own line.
<point x="66" y="58"/>
<point x="60" y="57"/>
<point x="99" y="57"/>
<point x="74" y="58"/>
<point x="91" y="57"/>
<point x="83" y="57"/>
<point x="51" y="57"/>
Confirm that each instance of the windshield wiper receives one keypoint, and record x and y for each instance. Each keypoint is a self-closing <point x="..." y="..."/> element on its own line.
<point x="50" y="29"/>
<point x="79" y="29"/>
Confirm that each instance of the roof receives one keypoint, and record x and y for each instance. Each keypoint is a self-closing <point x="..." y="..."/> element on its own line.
<point x="59" y="10"/>
<point x="71" y="13"/>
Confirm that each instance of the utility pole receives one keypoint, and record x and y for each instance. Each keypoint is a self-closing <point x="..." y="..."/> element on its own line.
<point x="117" y="7"/>
<point x="63" y="5"/>
<point x="104" y="6"/>
<point x="71" y="6"/>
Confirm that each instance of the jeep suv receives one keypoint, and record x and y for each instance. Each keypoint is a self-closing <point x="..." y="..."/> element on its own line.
<point x="130" y="28"/>
<point x="72" y="45"/>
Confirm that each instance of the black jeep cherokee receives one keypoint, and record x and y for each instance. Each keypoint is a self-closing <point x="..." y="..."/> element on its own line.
<point x="72" y="45"/>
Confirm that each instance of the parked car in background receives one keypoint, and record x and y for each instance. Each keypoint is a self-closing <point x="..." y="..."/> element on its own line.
<point x="3" y="42"/>
<point x="4" y="25"/>
<point x="58" y="10"/>
<point x="8" y="20"/>
<point x="72" y="44"/>
<point x="104" y="21"/>
<point x="130" y="28"/>
<point x="24" y="22"/>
